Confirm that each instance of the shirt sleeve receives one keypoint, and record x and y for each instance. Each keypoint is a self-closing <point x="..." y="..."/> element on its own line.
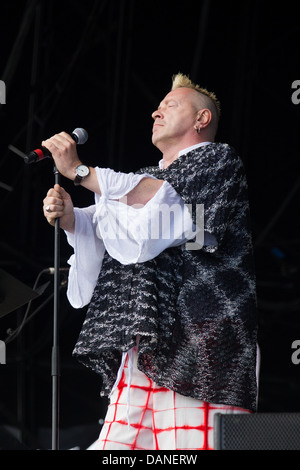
<point x="135" y="234"/>
<point x="130" y="234"/>
<point x="85" y="263"/>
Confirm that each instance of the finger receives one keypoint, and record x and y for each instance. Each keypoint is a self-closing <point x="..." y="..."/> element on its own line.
<point x="47" y="209"/>
<point x="53" y="201"/>
<point x="64" y="194"/>
<point x="63" y="140"/>
<point x="51" y="211"/>
<point x="57" y="187"/>
<point x="55" y="191"/>
<point x="50" y="221"/>
<point x="67" y="136"/>
<point x="53" y="144"/>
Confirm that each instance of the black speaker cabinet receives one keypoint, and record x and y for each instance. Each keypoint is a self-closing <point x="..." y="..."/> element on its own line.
<point x="257" y="431"/>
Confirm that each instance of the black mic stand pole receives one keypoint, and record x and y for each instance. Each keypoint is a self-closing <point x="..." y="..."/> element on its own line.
<point x="55" y="360"/>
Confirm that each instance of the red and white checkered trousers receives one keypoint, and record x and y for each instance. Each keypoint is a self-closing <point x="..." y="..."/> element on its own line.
<point x="160" y="419"/>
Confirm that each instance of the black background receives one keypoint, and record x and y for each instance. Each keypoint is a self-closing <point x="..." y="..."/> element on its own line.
<point x="105" y="66"/>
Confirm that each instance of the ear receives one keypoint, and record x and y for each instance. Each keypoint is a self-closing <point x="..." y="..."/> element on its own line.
<point x="203" y="118"/>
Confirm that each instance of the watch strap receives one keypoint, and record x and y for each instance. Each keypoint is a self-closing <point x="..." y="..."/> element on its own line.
<point x="77" y="180"/>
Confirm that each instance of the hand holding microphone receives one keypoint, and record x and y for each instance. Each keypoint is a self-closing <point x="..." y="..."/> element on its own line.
<point x="79" y="135"/>
<point x="62" y="148"/>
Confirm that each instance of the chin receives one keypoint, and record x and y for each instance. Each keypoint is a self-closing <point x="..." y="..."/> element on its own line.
<point x="154" y="140"/>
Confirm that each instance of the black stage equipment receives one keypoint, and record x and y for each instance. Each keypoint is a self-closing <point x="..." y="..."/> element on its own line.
<point x="257" y="431"/>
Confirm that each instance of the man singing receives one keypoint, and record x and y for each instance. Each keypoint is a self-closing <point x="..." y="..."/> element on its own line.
<point x="171" y="320"/>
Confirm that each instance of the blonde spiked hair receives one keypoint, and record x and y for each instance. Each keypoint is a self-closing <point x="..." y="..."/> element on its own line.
<point x="209" y="98"/>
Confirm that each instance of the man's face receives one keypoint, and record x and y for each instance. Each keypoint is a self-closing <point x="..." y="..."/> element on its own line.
<point x="175" y="118"/>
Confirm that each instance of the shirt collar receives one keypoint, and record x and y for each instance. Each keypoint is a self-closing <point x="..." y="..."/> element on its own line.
<point x="184" y="151"/>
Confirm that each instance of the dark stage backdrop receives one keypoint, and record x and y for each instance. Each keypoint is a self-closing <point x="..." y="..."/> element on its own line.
<point x="105" y="65"/>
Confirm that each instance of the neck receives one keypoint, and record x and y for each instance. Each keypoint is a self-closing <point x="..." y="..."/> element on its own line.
<point x="171" y="154"/>
<point x="169" y="157"/>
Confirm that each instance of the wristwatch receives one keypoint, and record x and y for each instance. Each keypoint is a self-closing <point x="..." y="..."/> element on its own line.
<point x="82" y="171"/>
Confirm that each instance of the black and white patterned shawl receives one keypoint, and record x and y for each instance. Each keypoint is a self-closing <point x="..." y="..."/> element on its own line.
<point x="195" y="310"/>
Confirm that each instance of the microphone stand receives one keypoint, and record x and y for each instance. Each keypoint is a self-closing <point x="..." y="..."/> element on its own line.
<point x="55" y="359"/>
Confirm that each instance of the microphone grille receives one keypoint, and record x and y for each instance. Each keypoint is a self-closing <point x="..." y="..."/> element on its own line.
<point x="80" y="135"/>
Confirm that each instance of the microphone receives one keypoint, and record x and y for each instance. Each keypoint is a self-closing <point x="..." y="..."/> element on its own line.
<point x="79" y="135"/>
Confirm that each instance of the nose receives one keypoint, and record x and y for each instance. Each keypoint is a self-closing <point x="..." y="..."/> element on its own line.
<point x="157" y="114"/>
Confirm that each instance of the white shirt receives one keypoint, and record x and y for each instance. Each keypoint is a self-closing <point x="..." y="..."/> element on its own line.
<point x="129" y="234"/>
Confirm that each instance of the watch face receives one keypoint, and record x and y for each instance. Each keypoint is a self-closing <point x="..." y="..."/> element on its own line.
<point x="82" y="170"/>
